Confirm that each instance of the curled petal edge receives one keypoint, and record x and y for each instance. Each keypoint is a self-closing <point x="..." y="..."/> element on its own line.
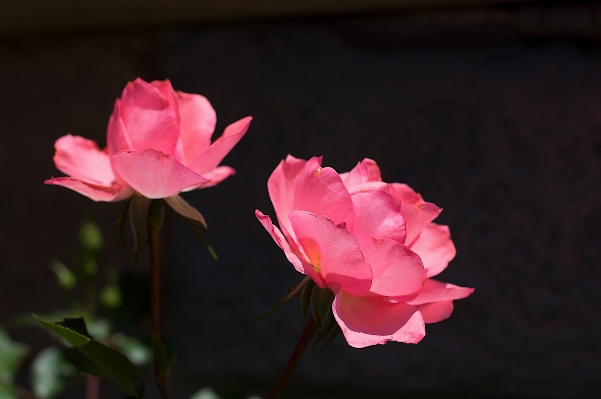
<point x="95" y="192"/>
<point x="299" y="264"/>
<point x="372" y="321"/>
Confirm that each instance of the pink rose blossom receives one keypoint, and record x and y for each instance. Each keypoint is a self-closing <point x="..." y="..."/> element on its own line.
<point x="372" y="243"/>
<point x="158" y="145"/>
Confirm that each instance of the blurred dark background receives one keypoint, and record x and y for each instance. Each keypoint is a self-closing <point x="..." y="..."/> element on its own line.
<point x="490" y="109"/>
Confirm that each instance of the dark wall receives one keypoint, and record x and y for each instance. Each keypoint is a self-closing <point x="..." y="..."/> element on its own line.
<point x="501" y="130"/>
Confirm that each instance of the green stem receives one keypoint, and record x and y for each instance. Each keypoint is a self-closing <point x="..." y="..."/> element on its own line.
<point x="155" y="221"/>
<point x="294" y="358"/>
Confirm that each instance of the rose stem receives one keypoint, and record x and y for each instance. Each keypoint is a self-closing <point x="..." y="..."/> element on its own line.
<point x="155" y="220"/>
<point x="92" y="386"/>
<point x="294" y="358"/>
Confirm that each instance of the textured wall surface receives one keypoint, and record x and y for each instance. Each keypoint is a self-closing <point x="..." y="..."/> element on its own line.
<point x="501" y="131"/>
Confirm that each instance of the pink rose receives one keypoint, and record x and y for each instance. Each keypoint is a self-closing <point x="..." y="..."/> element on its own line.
<point x="372" y="243"/>
<point x="159" y="144"/>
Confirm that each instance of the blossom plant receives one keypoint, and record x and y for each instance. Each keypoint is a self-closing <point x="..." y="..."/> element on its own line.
<point x="158" y="145"/>
<point x="373" y="244"/>
<point x="369" y="249"/>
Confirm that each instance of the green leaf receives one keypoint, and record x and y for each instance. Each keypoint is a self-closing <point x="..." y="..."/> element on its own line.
<point x="83" y="363"/>
<point x="7" y="391"/>
<point x="179" y="205"/>
<point x="138" y="217"/>
<point x="11" y="355"/>
<point x="50" y="372"/>
<point x="321" y="305"/>
<point x="76" y="324"/>
<point x="110" y="361"/>
<point x="73" y="337"/>
<point x="65" y="278"/>
<point x="289" y="295"/>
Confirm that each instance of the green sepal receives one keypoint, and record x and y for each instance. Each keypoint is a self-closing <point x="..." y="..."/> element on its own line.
<point x="179" y="205"/>
<point x="138" y="218"/>
<point x="305" y="298"/>
<point x="156" y="214"/>
<point x="203" y="239"/>
<point x="111" y="362"/>
<point x="289" y="295"/>
<point x="194" y="217"/>
<point x="321" y="305"/>
<point x="328" y="334"/>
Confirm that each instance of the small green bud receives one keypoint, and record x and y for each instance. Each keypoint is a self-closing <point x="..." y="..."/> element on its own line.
<point x="90" y="237"/>
<point x="110" y="296"/>
<point x="64" y="277"/>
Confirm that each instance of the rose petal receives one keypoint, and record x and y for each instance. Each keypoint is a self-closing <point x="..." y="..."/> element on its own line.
<point x="333" y="251"/>
<point x="396" y="270"/>
<point x="406" y="194"/>
<point x="370" y="186"/>
<point x="417" y="217"/>
<point x="214" y="177"/>
<point x="153" y="173"/>
<point x="147" y="120"/>
<point x="435" y="291"/>
<point x="372" y="321"/>
<point x="299" y="264"/>
<point x="321" y="191"/>
<point x="364" y="172"/>
<point x="210" y="159"/>
<point x="435" y="247"/>
<point x="196" y="126"/>
<point x="166" y="89"/>
<point x="281" y="185"/>
<point x="95" y="192"/>
<point x="436" y="311"/>
<point x="81" y="159"/>
<point x="378" y="214"/>
<point x="116" y="138"/>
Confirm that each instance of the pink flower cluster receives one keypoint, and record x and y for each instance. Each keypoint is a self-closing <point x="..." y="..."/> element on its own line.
<point x="372" y="243"/>
<point x="158" y="145"/>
